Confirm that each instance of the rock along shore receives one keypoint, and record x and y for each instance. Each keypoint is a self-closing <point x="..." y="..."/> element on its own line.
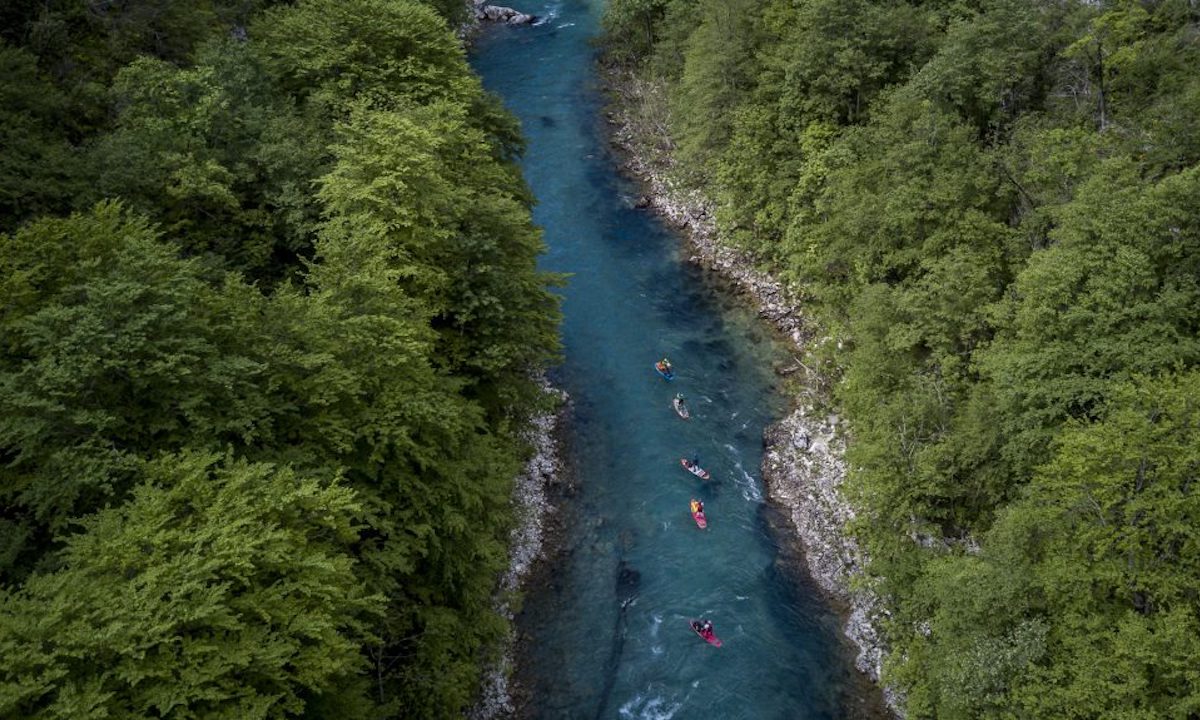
<point x="482" y="12"/>
<point x="532" y="509"/>
<point x="803" y="467"/>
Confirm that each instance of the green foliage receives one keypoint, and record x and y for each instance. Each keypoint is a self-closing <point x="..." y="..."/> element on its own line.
<point x="1083" y="601"/>
<point x="379" y="51"/>
<point x="714" y="77"/>
<point x="417" y="186"/>
<point x="36" y="166"/>
<point x="302" y="245"/>
<point x="991" y="207"/>
<point x="113" y="349"/>
<point x="1109" y="299"/>
<point x="83" y="45"/>
<point x="218" y="590"/>
<point x="633" y="22"/>
<point x="216" y="154"/>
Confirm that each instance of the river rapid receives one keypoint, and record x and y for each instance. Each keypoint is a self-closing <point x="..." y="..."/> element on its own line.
<point x="605" y="633"/>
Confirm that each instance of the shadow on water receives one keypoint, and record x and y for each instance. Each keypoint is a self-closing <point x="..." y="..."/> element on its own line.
<point x="626" y="592"/>
<point x="793" y="587"/>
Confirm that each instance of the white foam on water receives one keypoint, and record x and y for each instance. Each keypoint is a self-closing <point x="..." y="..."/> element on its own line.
<point x="550" y="13"/>
<point x="749" y="486"/>
<point x="649" y="708"/>
<point x="655" y="623"/>
<point x="564" y="25"/>
<point x="746" y="482"/>
<point x="742" y="597"/>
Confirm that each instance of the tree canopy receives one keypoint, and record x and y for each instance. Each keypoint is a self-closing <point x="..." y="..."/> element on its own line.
<point x="269" y="324"/>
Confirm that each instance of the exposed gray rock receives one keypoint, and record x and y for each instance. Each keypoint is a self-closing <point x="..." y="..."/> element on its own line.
<point x="532" y="508"/>
<point x="499" y="13"/>
<point x="803" y="469"/>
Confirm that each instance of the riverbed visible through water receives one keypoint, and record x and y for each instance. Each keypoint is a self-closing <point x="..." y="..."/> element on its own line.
<point x="605" y="631"/>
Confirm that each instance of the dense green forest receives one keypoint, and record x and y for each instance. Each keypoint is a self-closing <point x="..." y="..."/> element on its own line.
<point x="992" y="209"/>
<point x="268" y="315"/>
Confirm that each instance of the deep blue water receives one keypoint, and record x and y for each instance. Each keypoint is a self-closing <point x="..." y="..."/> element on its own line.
<point x="607" y="635"/>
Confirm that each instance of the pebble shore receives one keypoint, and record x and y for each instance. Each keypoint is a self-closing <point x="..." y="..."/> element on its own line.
<point x="533" y="509"/>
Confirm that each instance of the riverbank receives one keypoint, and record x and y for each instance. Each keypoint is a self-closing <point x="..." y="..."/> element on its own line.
<point x="803" y="467"/>
<point x="534" y="510"/>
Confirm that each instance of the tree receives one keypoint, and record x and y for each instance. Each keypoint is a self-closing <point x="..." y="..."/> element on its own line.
<point x="420" y="188"/>
<point x="384" y="52"/>
<point x="219" y="156"/>
<point x="380" y="326"/>
<point x="1115" y="296"/>
<point x="1082" y="602"/>
<point x="630" y="26"/>
<point x="113" y="349"/>
<point x="37" y="169"/>
<point x="222" y="589"/>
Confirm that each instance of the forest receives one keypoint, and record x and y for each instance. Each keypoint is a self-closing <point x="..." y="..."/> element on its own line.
<point x="990" y="210"/>
<point x="270" y="322"/>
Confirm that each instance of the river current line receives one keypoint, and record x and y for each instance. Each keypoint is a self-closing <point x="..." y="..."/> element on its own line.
<point x="607" y="635"/>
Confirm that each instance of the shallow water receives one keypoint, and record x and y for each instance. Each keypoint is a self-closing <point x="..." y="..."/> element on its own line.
<point x="607" y="636"/>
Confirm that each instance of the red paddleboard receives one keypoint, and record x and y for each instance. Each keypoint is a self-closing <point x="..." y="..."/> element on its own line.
<point x="694" y="469"/>
<point x="711" y="638"/>
<point x="698" y="515"/>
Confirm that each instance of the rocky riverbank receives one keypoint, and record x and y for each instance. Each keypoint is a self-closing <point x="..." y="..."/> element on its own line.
<point x="532" y="508"/>
<point x="803" y="468"/>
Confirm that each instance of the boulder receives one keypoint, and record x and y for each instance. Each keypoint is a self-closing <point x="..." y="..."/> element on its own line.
<point x="499" y="13"/>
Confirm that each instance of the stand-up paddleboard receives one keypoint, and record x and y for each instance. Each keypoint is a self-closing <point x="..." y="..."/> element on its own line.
<point x="681" y="409"/>
<point x="664" y="370"/>
<point x="710" y="638"/>
<point x="698" y="514"/>
<point x="694" y="469"/>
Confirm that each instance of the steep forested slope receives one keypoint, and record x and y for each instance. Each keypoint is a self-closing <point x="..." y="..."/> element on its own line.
<point x="268" y="315"/>
<point x="994" y="207"/>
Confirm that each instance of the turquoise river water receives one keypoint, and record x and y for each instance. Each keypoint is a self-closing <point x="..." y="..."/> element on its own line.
<point x="605" y="634"/>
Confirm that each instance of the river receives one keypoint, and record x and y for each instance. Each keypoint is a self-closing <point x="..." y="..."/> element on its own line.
<point x="605" y="633"/>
